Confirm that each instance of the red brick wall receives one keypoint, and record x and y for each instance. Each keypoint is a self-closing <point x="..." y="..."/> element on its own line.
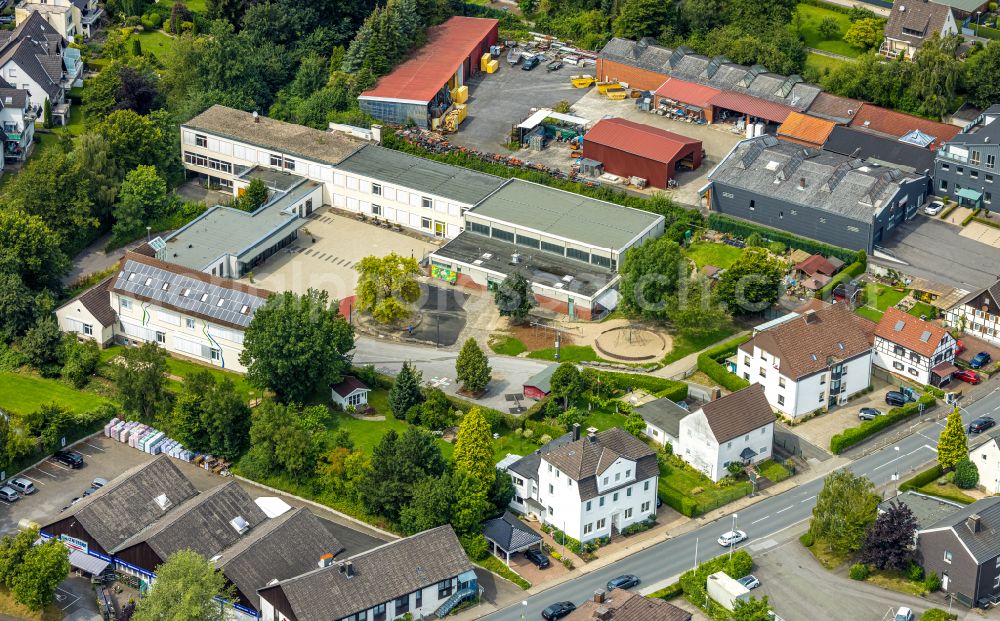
<point x="635" y="77"/>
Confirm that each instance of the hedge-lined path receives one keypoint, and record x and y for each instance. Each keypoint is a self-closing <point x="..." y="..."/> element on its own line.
<point x="679" y="369"/>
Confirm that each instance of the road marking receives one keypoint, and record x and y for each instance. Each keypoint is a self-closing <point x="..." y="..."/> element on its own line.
<point x="57" y="465"/>
<point x="92" y="446"/>
<point x="32" y="479"/>
<point x="48" y="474"/>
<point x="65" y="595"/>
<point x="760" y="520"/>
<point x="807" y="499"/>
<point x="785" y="509"/>
<point x="926" y="446"/>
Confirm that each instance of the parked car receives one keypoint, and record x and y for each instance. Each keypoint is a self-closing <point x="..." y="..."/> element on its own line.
<point x="903" y="614"/>
<point x="71" y="459"/>
<point x="968" y="376"/>
<point x="537" y="558"/>
<point x="8" y="493"/>
<point x="558" y="610"/>
<point x="90" y="490"/>
<point x="531" y="63"/>
<point x="6" y="19"/>
<point x="731" y="538"/>
<point x="23" y="485"/>
<point x="751" y="582"/>
<point x="981" y="424"/>
<point x="99" y="482"/>
<point x="869" y="413"/>
<point x="980" y="360"/>
<point x="626" y="581"/>
<point x="896" y="398"/>
<point x="934" y="208"/>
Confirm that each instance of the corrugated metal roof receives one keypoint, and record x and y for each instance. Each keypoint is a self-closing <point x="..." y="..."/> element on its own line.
<point x="897" y="124"/>
<point x="422" y="76"/>
<point x="643" y="140"/>
<point x="806" y="128"/>
<point x="747" y="104"/>
<point x="687" y="92"/>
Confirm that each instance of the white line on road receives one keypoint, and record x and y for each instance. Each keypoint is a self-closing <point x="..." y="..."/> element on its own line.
<point x="760" y="520"/>
<point x="807" y="499"/>
<point x="32" y="479"/>
<point x="92" y="446"/>
<point x="48" y="474"/>
<point x="928" y="447"/>
<point x="785" y="509"/>
<point x="52" y="463"/>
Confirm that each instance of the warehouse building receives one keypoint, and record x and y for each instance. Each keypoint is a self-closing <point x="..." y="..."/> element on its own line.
<point x="878" y="149"/>
<point x="913" y="129"/>
<point x="567" y="245"/>
<point x="415" y="192"/>
<point x="420" y="88"/>
<point x="632" y="149"/>
<point x="817" y="194"/>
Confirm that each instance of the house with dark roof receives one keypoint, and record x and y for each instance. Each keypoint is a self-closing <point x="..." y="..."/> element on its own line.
<point x="589" y="487"/>
<point x="663" y="418"/>
<point x="89" y="315"/>
<point x="918" y="350"/>
<point x="911" y="23"/>
<point x="812" y="362"/>
<point x="978" y="314"/>
<point x="17" y="122"/>
<point x="622" y="605"/>
<point x="926" y="510"/>
<point x="834" y="108"/>
<point x="964" y="549"/>
<point x="508" y="535"/>
<point x="735" y="429"/>
<point x="881" y="150"/>
<point x="427" y="573"/>
<point x="523" y="473"/>
<point x="966" y="165"/>
<point x="34" y="57"/>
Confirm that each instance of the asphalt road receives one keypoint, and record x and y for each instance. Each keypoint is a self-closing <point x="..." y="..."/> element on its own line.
<point x="760" y="520"/>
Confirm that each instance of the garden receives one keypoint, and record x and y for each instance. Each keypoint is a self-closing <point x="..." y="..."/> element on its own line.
<point x="879" y="296"/>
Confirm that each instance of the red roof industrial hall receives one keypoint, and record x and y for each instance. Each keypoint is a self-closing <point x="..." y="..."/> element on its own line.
<point x="630" y="149"/>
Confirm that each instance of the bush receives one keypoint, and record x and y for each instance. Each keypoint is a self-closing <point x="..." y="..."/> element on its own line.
<point x="966" y="474"/>
<point x="727" y="224"/>
<point x="709" y="365"/>
<point x="669" y="592"/>
<point x="853" y="435"/>
<point x="692" y="582"/>
<point x="921" y="479"/>
<point x="915" y="572"/>
<point x="859" y="571"/>
<point x="807" y="539"/>
<point x="777" y="248"/>
<point x="673" y="390"/>
<point x="932" y="582"/>
<point x="638" y="527"/>
<point x="476" y="546"/>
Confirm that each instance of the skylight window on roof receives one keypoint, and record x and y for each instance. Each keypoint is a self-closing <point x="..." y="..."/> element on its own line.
<point x="926" y="336"/>
<point x="244" y="309"/>
<point x="204" y="297"/>
<point x="220" y="302"/>
<point x="186" y="292"/>
<point x="165" y="286"/>
<point x="131" y="277"/>
<point x="813" y="357"/>
<point x="148" y="282"/>
<point x="899" y="325"/>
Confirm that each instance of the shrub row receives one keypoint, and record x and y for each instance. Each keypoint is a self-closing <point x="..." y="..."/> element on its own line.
<point x="986" y="222"/>
<point x="922" y="478"/>
<point x="493" y="564"/>
<point x="693" y="580"/>
<point x="948" y="210"/>
<point x="661" y="387"/>
<point x="668" y="592"/>
<point x="848" y="273"/>
<point x="853" y="435"/>
<point x="708" y="363"/>
<point x="968" y="218"/>
<point x="727" y="224"/>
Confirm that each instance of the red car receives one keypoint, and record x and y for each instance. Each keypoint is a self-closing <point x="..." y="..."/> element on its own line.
<point x="959" y="347"/>
<point x="968" y="376"/>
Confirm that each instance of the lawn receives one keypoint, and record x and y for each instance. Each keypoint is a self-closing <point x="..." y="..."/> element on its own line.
<point x="10" y="606"/>
<point x="155" y="42"/>
<point x="567" y="353"/>
<point x="773" y="471"/>
<point x="808" y="17"/>
<point x="367" y="433"/>
<point x="869" y="313"/>
<point x="182" y="368"/>
<point x="879" y="298"/>
<point x="684" y="346"/>
<point x="707" y="253"/>
<point x="507" y="345"/>
<point x="948" y="491"/>
<point x="923" y="309"/>
<point x="823" y="64"/>
<point x="26" y="393"/>
<point x="678" y="485"/>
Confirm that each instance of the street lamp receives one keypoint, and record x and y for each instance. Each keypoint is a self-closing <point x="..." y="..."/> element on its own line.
<point x="733" y="544"/>
<point x="524" y="609"/>
<point x="895" y="475"/>
<point x="148" y="229"/>
<point x="978" y="14"/>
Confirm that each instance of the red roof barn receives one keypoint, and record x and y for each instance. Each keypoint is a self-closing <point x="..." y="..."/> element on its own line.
<point x="632" y="149"/>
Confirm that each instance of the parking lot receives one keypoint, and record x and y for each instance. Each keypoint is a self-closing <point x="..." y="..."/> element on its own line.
<point x="328" y="262"/>
<point x="57" y="486"/>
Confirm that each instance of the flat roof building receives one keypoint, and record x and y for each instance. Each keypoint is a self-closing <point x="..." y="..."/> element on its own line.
<point x="568" y="246"/>
<point x="817" y="194"/>
<point x="966" y="164"/>
<point x="419" y="89"/>
<point x="633" y="149"/>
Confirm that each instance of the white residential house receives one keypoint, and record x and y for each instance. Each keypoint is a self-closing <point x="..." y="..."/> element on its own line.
<point x="986" y="456"/>
<point x="913" y="348"/>
<point x="17" y="120"/>
<point x="735" y="429"/>
<point x="351" y="391"/>
<point x="68" y="17"/>
<point x="812" y="362"/>
<point x="912" y="22"/>
<point x="184" y="311"/>
<point x="590" y="487"/>
<point x="978" y="314"/>
<point x="35" y="58"/>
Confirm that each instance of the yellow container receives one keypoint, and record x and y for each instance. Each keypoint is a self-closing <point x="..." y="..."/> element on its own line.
<point x="581" y="81"/>
<point x="602" y="87"/>
<point x="461" y="110"/>
<point x="616" y="93"/>
<point x="460" y="94"/>
<point x="484" y="62"/>
<point x="492" y="66"/>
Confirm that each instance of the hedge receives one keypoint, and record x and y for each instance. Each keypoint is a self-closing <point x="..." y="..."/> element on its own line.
<point x="727" y="224"/>
<point x="986" y="222"/>
<point x="853" y="435"/>
<point x="668" y="592"/>
<point x="968" y="218"/>
<point x="947" y="211"/>
<point x="922" y="478"/>
<point x="661" y="387"/>
<point x="848" y="273"/>
<point x="709" y="365"/>
<point x="693" y="581"/>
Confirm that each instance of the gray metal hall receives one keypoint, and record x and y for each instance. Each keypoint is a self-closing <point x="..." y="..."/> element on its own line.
<point x="821" y="195"/>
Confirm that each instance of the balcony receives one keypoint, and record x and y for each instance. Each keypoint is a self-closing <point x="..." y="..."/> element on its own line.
<point x="888" y="51"/>
<point x="946" y="155"/>
<point x="88" y="17"/>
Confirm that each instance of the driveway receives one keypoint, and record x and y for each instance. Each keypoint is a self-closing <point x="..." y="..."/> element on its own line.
<point x="932" y="249"/>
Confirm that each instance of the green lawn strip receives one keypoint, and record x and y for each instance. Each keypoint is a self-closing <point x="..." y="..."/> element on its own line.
<point x="182" y="368"/>
<point x="685" y="346"/>
<point x="809" y="17"/>
<point x="155" y="43"/>
<point x="885" y="296"/>
<point x="567" y="353"/>
<point x="506" y="345"/>
<point x="823" y="64"/>
<point x="676" y="485"/>
<point x="869" y="313"/>
<point x="773" y="471"/>
<point x="197" y="6"/>
<point x="719" y="255"/>
<point x="922" y="309"/>
<point x="26" y="393"/>
<point x="948" y="491"/>
<point x="494" y="564"/>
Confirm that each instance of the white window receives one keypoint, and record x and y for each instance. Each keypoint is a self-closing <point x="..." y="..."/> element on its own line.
<point x="781" y="382"/>
<point x="628" y="473"/>
<point x="614" y="497"/>
<point x="200" y="140"/>
<point x="628" y="513"/>
<point x="161" y="337"/>
<point x="88" y="329"/>
<point x="427" y="203"/>
<point x="588" y="528"/>
<point x="550" y="467"/>
<point x="12" y="71"/>
<point x="822" y="395"/>
<point x="618" y="476"/>
<point x="589" y="501"/>
<point x="645" y="486"/>
<point x="376" y="189"/>
<point x="216" y="354"/>
<point x="552" y="489"/>
<point x="628" y="491"/>
<point x="645" y="507"/>
<point x="425" y="223"/>
<point x="601" y="522"/>
<point x="781" y="399"/>
<point x="289" y="164"/>
<point x="276" y="160"/>
<point x="550" y="511"/>
<point x="126" y="304"/>
<point x="600" y="501"/>
<point x="947" y="556"/>
<point x="376" y="210"/>
<point x="605" y="480"/>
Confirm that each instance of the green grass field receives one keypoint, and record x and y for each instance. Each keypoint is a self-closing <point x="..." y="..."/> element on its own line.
<point x="719" y="255"/>
<point x="879" y="298"/>
<point x="676" y="482"/>
<point x="183" y="368"/>
<point x="506" y="345"/>
<point x="155" y="43"/>
<point x="809" y="18"/>
<point x="823" y="64"/>
<point x="923" y="309"/>
<point x="567" y="353"/>
<point x="684" y="346"/>
<point x="26" y="393"/>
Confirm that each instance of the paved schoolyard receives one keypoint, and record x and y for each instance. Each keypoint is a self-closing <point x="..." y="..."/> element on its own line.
<point x="328" y="262"/>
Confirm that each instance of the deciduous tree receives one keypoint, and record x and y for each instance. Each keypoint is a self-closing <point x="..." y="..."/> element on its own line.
<point x="642" y="18"/>
<point x="752" y="609"/>
<point x="186" y="589"/>
<point x="16" y="306"/>
<point x="405" y="392"/>
<point x="649" y="277"/>
<point x="140" y="378"/>
<point x="431" y="506"/>
<point x="845" y="508"/>
<point x="297" y="344"/>
<point x="513" y="297"/>
<point x="81" y="360"/>
<point x="634" y="424"/>
<point x="30" y="249"/>
<point x="44" y="566"/>
<point x="472" y="368"/>
<point x="953" y="444"/>
<point x="566" y="383"/>
<point x="42" y="346"/>
<point x="889" y="541"/>
<point x="142" y="198"/>
<point x="982" y="76"/>
<point x="387" y="286"/>
<point x="697" y="311"/>
<point x="752" y="283"/>
<point x="13" y="549"/>
<point x="866" y="33"/>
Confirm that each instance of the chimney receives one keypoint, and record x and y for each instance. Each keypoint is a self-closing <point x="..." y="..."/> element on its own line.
<point x="599" y="596"/>
<point x="973" y="522"/>
<point x="349" y="569"/>
<point x="810" y="316"/>
<point x="576" y="431"/>
<point x="326" y="560"/>
<point x="592" y="434"/>
<point x="802" y="182"/>
<point x="377" y="134"/>
<point x="603" y="614"/>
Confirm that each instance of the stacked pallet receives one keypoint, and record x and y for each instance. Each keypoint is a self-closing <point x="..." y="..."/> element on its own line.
<point x="146" y="439"/>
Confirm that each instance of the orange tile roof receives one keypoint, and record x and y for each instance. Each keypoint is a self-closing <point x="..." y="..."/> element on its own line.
<point x="805" y="128"/>
<point x="906" y="330"/>
<point x="687" y="92"/>
<point x="897" y="124"/>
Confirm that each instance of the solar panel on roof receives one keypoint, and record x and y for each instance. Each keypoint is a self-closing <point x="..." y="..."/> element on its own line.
<point x="756" y="148"/>
<point x="838" y="174"/>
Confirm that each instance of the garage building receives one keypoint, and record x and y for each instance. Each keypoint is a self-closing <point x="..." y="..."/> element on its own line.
<point x="420" y="88"/>
<point x="632" y="149"/>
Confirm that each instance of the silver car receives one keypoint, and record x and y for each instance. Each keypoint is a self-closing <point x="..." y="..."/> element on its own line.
<point x="23" y="485"/>
<point x="8" y="494"/>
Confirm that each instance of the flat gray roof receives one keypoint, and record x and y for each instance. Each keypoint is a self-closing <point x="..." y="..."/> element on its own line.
<point x="225" y="230"/>
<point x="267" y="133"/>
<point x="565" y="214"/>
<point x="277" y="180"/>
<point x="421" y="174"/>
